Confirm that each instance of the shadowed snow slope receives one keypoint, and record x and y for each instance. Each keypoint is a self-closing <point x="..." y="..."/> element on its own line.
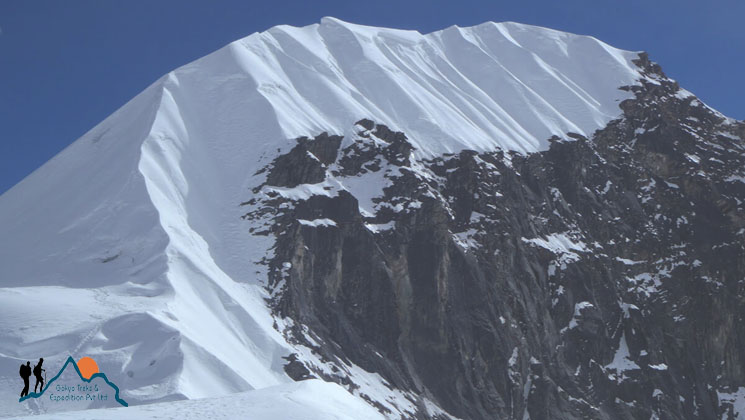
<point x="129" y="245"/>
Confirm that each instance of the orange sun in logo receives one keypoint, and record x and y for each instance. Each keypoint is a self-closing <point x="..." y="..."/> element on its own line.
<point x="88" y="367"/>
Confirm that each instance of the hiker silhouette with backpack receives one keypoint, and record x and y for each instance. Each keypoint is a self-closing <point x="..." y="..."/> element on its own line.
<point x="37" y="373"/>
<point x="25" y="374"/>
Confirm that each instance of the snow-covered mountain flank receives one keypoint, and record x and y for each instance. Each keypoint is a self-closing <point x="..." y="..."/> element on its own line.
<point x="501" y="221"/>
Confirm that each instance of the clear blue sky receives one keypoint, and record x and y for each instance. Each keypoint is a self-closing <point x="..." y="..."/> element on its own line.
<point x="66" y="65"/>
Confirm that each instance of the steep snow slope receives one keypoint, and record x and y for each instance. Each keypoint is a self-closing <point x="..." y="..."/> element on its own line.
<point x="129" y="245"/>
<point x="505" y="84"/>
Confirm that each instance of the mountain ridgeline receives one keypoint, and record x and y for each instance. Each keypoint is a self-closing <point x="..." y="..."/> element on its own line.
<point x="602" y="278"/>
<point x="494" y="222"/>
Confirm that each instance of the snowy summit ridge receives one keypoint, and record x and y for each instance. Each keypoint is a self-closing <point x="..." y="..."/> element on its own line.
<point x="131" y="239"/>
<point x="496" y="84"/>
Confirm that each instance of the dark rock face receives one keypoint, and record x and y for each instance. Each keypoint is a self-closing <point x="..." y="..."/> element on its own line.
<point x="602" y="278"/>
<point x="295" y="369"/>
<point x="306" y="162"/>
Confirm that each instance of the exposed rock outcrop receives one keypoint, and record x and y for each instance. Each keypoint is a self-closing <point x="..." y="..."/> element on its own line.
<point x="602" y="278"/>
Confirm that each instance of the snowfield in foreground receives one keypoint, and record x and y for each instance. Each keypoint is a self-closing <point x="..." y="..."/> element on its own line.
<point x="311" y="399"/>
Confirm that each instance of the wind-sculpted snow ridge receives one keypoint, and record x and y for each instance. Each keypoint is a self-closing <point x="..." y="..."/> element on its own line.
<point x="495" y="84"/>
<point x="129" y="245"/>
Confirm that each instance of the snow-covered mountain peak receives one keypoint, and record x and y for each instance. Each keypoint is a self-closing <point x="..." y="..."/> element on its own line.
<point x="134" y="238"/>
<point x="492" y="85"/>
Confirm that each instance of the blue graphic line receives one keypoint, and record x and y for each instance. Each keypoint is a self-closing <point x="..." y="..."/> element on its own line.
<point x="95" y="375"/>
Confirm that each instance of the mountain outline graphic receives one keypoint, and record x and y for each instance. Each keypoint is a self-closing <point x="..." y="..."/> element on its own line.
<point x="70" y="360"/>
